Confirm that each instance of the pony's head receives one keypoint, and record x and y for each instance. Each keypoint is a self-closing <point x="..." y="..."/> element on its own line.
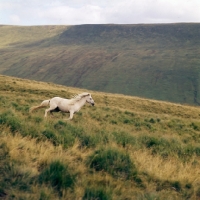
<point x="86" y="96"/>
<point x="89" y="99"/>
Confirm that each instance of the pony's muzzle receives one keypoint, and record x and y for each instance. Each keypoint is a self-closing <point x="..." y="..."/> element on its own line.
<point x="92" y="104"/>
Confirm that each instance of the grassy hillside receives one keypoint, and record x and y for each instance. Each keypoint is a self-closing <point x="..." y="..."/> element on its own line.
<point x="155" y="61"/>
<point x="122" y="148"/>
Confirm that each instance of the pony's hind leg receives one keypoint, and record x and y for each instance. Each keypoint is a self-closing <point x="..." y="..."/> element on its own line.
<point x="51" y="113"/>
<point x="52" y="107"/>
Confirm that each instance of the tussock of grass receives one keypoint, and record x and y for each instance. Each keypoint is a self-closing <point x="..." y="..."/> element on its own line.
<point x="97" y="193"/>
<point x="58" y="176"/>
<point x="123" y="148"/>
<point x="114" y="162"/>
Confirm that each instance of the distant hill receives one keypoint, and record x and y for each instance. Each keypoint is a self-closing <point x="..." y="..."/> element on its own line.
<point x="158" y="61"/>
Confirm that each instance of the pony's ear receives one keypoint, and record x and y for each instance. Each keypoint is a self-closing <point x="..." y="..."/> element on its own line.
<point x="85" y="94"/>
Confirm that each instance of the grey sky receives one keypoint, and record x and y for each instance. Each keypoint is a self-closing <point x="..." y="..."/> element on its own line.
<point x="70" y="12"/>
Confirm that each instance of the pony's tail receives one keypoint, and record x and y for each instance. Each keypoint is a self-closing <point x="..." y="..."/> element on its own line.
<point x="45" y="103"/>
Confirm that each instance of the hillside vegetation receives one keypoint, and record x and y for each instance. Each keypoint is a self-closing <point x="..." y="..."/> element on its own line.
<point x="158" y="61"/>
<point x="122" y="148"/>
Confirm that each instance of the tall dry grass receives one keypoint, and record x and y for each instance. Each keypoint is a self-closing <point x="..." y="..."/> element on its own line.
<point x="151" y="147"/>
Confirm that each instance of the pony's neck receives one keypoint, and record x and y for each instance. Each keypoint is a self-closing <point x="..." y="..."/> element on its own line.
<point x="82" y="102"/>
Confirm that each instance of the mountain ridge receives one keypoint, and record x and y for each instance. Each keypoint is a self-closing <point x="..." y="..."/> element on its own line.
<point x="158" y="61"/>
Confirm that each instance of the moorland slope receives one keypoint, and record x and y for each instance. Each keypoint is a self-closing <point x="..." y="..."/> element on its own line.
<point x="122" y="148"/>
<point x="157" y="61"/>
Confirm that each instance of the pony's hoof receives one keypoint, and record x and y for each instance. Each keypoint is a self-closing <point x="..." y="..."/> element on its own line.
<point x="68" y="119"/>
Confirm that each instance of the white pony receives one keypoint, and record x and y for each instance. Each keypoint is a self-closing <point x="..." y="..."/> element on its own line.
<point x="65" y="105"/>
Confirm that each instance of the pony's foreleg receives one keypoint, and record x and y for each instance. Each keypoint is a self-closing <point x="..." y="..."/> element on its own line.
<point x="70" y="116"/>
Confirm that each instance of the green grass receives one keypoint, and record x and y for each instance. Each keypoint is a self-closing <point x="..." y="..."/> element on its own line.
<point x="97" y="193"/>
<point x="57" y="176"/>
<point x="114" y="162"/>
<point x="123" y="148"/>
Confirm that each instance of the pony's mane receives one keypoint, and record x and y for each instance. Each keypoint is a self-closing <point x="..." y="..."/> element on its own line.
<point x="78" y="97"/>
